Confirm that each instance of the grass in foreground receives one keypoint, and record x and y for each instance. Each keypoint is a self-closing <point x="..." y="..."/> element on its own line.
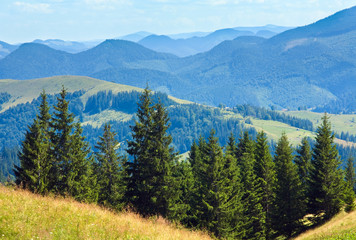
<point x="342" y="226"/>
<point x="24" y="215"/>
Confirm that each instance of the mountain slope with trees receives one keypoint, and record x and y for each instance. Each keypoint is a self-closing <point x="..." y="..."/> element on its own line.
<point x="61" y="164"/>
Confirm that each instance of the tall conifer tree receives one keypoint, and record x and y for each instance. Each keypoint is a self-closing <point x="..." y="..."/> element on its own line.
<point x="33" y="173"/>
<point x="350" y="175"/>
<point x="62" y="127"/>
<point x="81" y="181"/>
<point x="303" y="162"/>
<point x="350" y="178"/>
<point x="109" y="170"/>
<point x="253" y="215"/>
<point x="265" y="172"/>
<point x="220" y="206"/>
<point x="326" y="178"/>
<point x="151" y="186"/>
<point x="71" y="172"/>
<point x="289" y="204"/>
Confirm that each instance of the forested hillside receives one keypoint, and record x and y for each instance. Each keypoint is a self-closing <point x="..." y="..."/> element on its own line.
<point x="236" y="190"/>
<point x="96" y="102"/>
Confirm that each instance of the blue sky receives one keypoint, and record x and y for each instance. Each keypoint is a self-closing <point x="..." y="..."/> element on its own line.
<point x="26" y="20"/>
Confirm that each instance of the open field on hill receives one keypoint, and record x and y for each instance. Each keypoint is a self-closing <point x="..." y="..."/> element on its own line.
<point x="342" y="226"/>
<point x="275" y="129"/>
<point x="24" y="215"/>
<point x="339" y="122"/>
<point x="26" y="90"/>
<point x="23" y="91"/>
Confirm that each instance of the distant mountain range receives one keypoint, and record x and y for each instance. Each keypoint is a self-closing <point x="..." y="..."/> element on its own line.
<point x="76" y="47"/>
<point x="186" y="44"/>
<point x="309" y="66"/>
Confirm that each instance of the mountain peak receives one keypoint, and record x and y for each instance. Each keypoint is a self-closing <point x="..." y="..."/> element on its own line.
<point x="338" y="23"/>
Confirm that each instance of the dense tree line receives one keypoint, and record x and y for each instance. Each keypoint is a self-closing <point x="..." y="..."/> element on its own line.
<point x="345" y="104"/>
<point x="346" y="136"/>
<point x="8" y="158"/>
<point x="266" y="114"/>
<point x="235" y="191"/>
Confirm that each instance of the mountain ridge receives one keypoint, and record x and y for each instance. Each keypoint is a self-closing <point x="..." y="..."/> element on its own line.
<point x="290" y="70"/>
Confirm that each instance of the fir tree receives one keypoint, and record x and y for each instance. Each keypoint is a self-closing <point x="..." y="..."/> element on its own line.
<point x="253" y="215"/>
<point x="325" y="182"/>
<point x="303" y="162"/>
<point x="265" y="173"/>
<point x="81" y="181"/>
<point x="350" y="180"/>
<point x="109" y="170"/>
<point x="151" y="186"/>
<point x="219" y="191"/>
<point x="71" y="173"/>
<point x="350" y="176"/>
<point x="62" y="127"/>
<point x="33" y="173"/>
<point x="289" y="204"/>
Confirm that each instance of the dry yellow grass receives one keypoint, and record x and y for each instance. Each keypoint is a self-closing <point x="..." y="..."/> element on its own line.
<point x="24" y="215"/>
<point x="342" y="226"/>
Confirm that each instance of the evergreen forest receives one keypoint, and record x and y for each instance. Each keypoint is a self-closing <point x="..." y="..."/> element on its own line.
<point x="233" y="185"/>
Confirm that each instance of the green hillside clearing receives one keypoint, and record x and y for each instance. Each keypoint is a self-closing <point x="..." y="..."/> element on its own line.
<point x="339" y="122"/>
<point x="23" y="91"/>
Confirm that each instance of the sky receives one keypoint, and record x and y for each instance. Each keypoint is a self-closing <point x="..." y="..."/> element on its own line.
<point x="84" y="20"/>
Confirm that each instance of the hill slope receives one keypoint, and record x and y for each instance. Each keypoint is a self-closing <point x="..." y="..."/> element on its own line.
<point x="342" y="226"/>
<point x="28" y="216"/>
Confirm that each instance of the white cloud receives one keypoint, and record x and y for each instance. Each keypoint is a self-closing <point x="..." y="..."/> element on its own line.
<point x="107" y="4"/>
<point x="34" y="7"/>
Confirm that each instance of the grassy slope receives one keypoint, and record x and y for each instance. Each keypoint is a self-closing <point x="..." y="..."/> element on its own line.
<point x="345" y="122"/>
<point x="24" y="215"/>
<point x="23" y="91"/>
<point x="342" y="226"/>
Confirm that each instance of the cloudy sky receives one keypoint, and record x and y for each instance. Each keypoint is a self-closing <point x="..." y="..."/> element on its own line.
<point x="26" y="20"/>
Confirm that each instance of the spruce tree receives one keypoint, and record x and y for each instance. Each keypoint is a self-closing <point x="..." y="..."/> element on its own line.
<point x="109" y="170"/>
<point x="33" y="173"/>
<point x="326" y="178"/>
<point x="350" y="175"/>
<point x="253" y="216"/>
<point x="62" y="127"/>
<point x="219" y="191"/>
<point x="81" y="181"/>
<point x="350" y="180"/>
<point x="303" y="162"/>
<point x="265" y="173"/>
<point x="289" y="204"/>
<point x="151" y="187"/>
<point x="71" y="172"/>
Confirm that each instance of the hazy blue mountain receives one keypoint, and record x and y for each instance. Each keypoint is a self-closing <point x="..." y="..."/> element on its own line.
<point x="308" y="66"/>
<point x="135" y="37"/>
<point x="265" y="34"/>
<point x="6" y="49"/>
<point x="188" y="35"/>
<point x="112" y="60"/>
<point x="67" y="46"/>
<point x="269" y="27"/>
<point x="190" y="46"/>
